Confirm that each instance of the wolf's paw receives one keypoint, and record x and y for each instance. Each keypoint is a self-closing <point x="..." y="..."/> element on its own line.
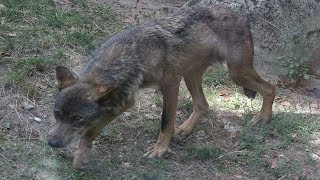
<point x="260" y="118"/>
<point x="182" y="131"/>
<point x="80" y="161"/>
<point x="156" y="150"/>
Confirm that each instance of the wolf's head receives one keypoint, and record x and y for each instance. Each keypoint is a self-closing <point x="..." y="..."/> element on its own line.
<point x="79" y="107"/>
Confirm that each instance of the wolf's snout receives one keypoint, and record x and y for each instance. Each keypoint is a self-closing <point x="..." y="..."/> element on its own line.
<point x="54" y="142"/>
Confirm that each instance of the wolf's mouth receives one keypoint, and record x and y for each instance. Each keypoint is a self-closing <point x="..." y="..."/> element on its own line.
<point x="62" y="142"/>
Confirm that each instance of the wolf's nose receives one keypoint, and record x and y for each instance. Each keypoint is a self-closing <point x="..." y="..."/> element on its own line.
<point x="55" y="142"/>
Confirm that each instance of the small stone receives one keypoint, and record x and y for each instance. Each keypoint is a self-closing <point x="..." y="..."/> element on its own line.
<point x="27" y="106"/>
<point x="37" y="119"/>
<point x="126" y="114"/>
<point x="7" y="125"/>
<point x="126" y="164"/>
<point x="315" y="142"/>
<point x="314" y="157"/>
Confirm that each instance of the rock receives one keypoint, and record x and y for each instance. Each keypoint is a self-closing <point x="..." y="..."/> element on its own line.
<point x="37" y="119"/>
<point x="7" y="125"/>
<point x="314" y="157"/>
<point x="126" y="164"/>
<point x="27" y="106"/>
<point x="315" y="142"/>
<point x="126" y="114"/>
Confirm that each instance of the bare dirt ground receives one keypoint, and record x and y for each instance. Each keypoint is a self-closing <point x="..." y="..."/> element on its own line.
<point x="222" y="146"/>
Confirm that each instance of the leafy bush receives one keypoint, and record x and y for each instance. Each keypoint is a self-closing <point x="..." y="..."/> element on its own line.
<point x="295" y="54"/>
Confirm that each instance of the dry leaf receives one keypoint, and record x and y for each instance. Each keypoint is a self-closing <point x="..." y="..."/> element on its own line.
<point x="274" y="162"/>
<point x="223" y="93"/>
<point x="285" y="103"/>
<point x="277" y="98"/>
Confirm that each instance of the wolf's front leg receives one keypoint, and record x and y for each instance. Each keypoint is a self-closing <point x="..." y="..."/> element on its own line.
<point x="170" y="100"/>
<point x="82" y="155"/>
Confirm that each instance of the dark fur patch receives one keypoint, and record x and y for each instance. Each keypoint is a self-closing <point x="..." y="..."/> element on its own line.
<point x="164" y="120"/>
<point x="249" y="93"/>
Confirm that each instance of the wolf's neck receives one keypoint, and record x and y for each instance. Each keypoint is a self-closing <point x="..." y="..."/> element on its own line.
<point x="126" y="75"/>
<point x="127" y="79"/>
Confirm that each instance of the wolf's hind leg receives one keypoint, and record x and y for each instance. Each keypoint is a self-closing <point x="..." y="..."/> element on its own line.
<point x="248" y="78"/>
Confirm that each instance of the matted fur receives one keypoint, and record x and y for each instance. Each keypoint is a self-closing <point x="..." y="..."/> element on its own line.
<point x="158" y="53"/>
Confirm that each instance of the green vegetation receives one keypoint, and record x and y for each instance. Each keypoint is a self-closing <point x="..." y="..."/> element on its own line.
<point x="300" y="46"/>
<point x="295" y="55"/>
<point x="202" y="152"/>
<point x="37" y="34"/>
<point x="286" y="130"/>
<point x="217" y="77"/>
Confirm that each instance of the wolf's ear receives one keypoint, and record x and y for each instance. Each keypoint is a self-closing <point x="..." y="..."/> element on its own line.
<point x="100" y="91"/>
<point x="65" y="77"/>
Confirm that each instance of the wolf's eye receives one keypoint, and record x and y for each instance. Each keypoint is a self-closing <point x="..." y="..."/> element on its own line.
<point x="77" y="117"/>
<point x="57" y="113"/>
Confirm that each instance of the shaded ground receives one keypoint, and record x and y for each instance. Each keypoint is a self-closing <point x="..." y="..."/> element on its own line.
<point x="222" y="146"/>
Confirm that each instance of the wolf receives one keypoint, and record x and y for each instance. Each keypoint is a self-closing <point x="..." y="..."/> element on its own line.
<point x="158" y="53"/>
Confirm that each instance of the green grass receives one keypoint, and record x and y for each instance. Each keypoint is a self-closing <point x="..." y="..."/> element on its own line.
<point x="286" y="130"/>
<point x="257" y="144"/>
<point x="202" y="152"/>
<point x="37" y="34"/>
<point x="288" y="127"/>
<point x="185" y="104"/>
<point x="216" y="77"/>
<point x="156" y="170"/>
